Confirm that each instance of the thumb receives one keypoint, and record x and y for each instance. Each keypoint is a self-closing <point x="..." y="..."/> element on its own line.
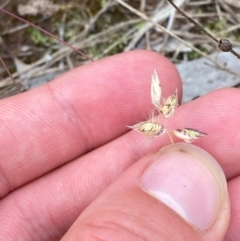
<point x="180" y="193"/>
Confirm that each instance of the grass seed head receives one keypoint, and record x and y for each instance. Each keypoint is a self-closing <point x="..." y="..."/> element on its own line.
<point x="167" y="109"/>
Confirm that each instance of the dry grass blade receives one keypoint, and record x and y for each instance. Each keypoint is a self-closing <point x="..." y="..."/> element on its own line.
<point x="158" y="16"/>
<point x="93" y="40"/>
<point x="235" y="3"/>
<point x="223" y="44"/>
<point x="11" y="77"/>
<point x="192" y="21"/>
<point x="5" y="4"/>
<point x="46" y="32"/>
<point x="161" y="28"/>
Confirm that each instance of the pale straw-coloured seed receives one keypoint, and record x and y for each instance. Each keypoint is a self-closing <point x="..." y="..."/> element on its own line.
<point x="149" y="128"/>
<point x="188" y="134"/>
<point x="156" y="90"/>
<point x="169" y="106"/>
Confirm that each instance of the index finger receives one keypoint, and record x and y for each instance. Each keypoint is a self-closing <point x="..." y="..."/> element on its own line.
<point x="80" y="111"/>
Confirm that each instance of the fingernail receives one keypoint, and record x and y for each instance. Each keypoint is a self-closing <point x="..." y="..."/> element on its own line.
<point x="189" y="181"/>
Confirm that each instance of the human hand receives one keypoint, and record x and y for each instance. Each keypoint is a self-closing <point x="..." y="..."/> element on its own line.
<point x="66" y="152"/>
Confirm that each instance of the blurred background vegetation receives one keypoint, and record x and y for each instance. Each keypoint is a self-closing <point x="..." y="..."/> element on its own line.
<point x="102" y="28"/>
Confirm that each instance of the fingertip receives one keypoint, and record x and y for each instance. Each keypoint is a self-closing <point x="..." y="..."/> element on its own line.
<point x="176" y="178"/>
<point x="177" y="194"/>
<point x="80" y="110"/>
<point x="139" y="65"/>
